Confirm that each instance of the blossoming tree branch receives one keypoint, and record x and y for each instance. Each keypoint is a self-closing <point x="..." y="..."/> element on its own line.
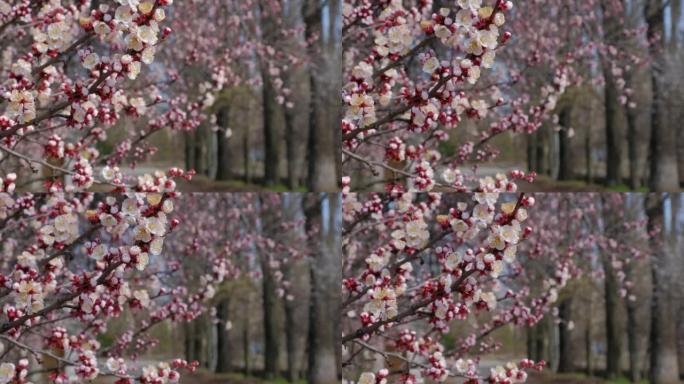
<point x="434" y="283"/>
<point x="391" y="107"/>
<point x="72" y="264"/>
<point x="85" y="86"/>
<point x="430" y="85"/>
<point x="413" y="267"/>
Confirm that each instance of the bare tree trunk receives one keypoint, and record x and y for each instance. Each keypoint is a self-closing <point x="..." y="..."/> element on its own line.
<point x="196" y="341"/>
<point x="680" y="155"/>
<point x="675" y="16"/>
<point x="199" y="151"/>
<point x="587" y="158"/>
<point x="633" y="330"/>
<point x="663" y="348"/>
<point x="633" y="343"/>
<point x="292" y="147"/>
<point x="632" y="149"/>
<point x="322" y="341"/>
<point x="321" y="148"/>
<point x="271" y="335"/>
<point x="564" y="165"/>
<point x="246" y="163"/>
<point x="271" y="140"/>
<point x="224" y="155"/>
<point x="246" y="356"/>
<point x="532" y="152"/>
<point x="189" y="150"/>
<point x="565" y="361"/>
<point x="224" y="360"/>
<point x="613" y="142"/>
<point x="188" y="341"/>
<point x="335" y="60"/>
<point x="674" y="44"/>
<point x="291" y="341"/>
<point x="531" y="350"/>
<point x="678" y="288"/>
<point x="540" y="334"/>
<point x="612" y="106"/>
<point x="334" y="295"/>
<point x="664" y="175"/>
<point x="588" y="338"/>
<point x="680" y="332"/>
<point x="613" y="335"/>
<point x="634" y="180"/>
<point x="542" y="164"/>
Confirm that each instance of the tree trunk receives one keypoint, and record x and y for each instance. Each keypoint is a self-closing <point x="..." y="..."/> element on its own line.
<point x="532" y="152"/>
<point x="531" y="350"/>
<point x="292" y="147"/>
<point x="194" y="336"/>
<point x="675" y="15"/>
<point x="588" y="339"/>
<point x="679" y="285"/>
<point x="633" y="343"/>
<point x="674" y="44"/>
<point x="188" y="341"/>
<point x="662" y="340"/>
<point x="322" y="341"/>
<point x="189" y="150"/>
<point x="664" y="175"/>
<point x="224" y="155"/>
<point x="587" y="158"/>
<point x="540" y="334"/>
<point x="542" y="164"/>
<point x="199" y="151"/>
<point x="613" y="108"/>
<point x="224" y="362"/>
<point x="291" y="340"/>
<point x="680" y="333"/>
<point x="334" y="57"/>
<point x="204" y="341"/>
<point x="246" y="164"/>
<point x="271" y="335"/>
<point x="271" y="142"/>
<point x="680" y="155"/>
<point x="334" y="295"/>
<point x="564" y="163"/>
<point x="612" y="325"/>
<point x="321" y="148"/>
<point x="613" y="335"/>
<point x="632" y="149"/>
<point x="246" y="356"/>
<point x="565" y="361"/>
<point x="613" y="142"/>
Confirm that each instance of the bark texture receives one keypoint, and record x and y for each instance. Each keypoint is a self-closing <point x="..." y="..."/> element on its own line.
<point x="321" y="145"/>
<point x="662" y="340"/>
<point x="224" y="155"/>
<point x="664" y="175"/>
<point x="565" y="361"/>
<point x="224" y="355"/>
<point x="322" y="340"/>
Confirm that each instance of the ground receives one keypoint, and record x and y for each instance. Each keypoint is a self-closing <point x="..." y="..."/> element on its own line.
<point x="229" y="378"/>
<point x="573" y="378"/>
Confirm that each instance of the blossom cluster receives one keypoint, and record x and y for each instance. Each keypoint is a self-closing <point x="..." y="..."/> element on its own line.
<point x="421" y="79"/>
<point x="414" y="113"/>
<point x="417" y="266"/>
<point x="83" y="260"/>
<point x="46" y="101"/>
